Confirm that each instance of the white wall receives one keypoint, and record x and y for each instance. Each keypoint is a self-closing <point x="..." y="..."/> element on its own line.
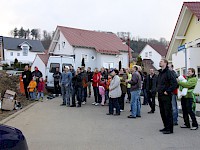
<point x="67" y="49"/>
<point x="41" y="66"/>
<point x="178" y="60"/>
<point x="156" y="57"/>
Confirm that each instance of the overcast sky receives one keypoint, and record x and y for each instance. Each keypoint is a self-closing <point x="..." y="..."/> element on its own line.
<point x="143" y="18"/>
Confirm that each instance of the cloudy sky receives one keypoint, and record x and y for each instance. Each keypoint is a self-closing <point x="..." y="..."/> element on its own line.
<point x="142" y="18"/>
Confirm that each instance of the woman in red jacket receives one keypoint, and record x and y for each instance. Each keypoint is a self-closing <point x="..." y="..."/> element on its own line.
<point x="95" y="83"/>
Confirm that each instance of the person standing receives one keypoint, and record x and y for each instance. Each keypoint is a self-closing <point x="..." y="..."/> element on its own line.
<point x="90" y="75"/>
<point x="27" y="77"/>
<point x="41" y="86"/>
<point x="151" y="89"/>
<point x="37" y="74"/>
<point x="95" y="83"/>
<point x="129" y="85"/>
<point x="123" y="77"/>
<point x="145" y="100"/>
<point x="166" y="84"/>
<point x="135" y="93"/>
<point x="187" y="101"/>
<point x="174" y="98"/>
<point x="65" y="82"/>
<point x="114" y="93"/>
<point x="56" y="77"/>
<point x="85" y="85"/>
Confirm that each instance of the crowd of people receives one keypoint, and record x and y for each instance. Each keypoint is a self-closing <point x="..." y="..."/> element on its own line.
<point x="110" y="86"/>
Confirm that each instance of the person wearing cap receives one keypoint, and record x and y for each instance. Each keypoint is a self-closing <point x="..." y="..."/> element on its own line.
<point x="37" y="74"/>
<point x="135" y="93"/>
<point x="114" y="93"/>
<point x="65" y="82"/>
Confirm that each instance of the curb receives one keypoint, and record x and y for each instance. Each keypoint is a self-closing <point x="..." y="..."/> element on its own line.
<point x="17" y="113"/>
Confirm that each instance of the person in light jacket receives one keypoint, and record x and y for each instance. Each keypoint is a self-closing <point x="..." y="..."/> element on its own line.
<point x="114" y="93"/>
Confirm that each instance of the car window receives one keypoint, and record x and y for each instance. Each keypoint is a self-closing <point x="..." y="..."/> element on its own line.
<point x="65" y="64"/>
<point x="53" y="67"/>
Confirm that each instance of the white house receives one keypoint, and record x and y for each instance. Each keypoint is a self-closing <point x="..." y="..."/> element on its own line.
<point x="154" y="52"/>
<point x="99" y="49"/>
<point x="184" y="48"/>
<point x="24" y="50"/>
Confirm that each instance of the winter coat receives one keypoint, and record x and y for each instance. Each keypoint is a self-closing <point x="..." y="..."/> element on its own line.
<point x="101" y="90"/>
<point x="135" y="81"/>
<point x="32" y="85"/>
<point x="166" y="81"/>
<point x="123" y="77"/>
<point x="114" y="88"/>
<point x="27" y="77"/>
<point x="151" y="89"/>
<point x="57" y="76"/>
<point x="129" y="78"/>
<point x="66" y="78"/>
<point x="90" y="75"/>
<point x="96" y="79"/>
<point x="190" y="84"/>
<point x="40" y="87"/>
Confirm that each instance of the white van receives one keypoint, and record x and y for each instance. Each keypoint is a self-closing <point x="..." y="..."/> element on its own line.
<point x="53" y="63"/>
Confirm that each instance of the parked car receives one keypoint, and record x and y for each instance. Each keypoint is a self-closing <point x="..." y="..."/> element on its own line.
<point x="14" y="73"/>
<point x="12" y="138"/>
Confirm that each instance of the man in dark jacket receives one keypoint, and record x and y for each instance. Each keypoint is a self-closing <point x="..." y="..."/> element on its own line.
<point x="90" y="76"/>
<point x="37" y="74"/>
<point x="27" y="77"/>
<point x="166" y="84"/>
<point x="56" y="77"/>
<point x="151" y="89"/>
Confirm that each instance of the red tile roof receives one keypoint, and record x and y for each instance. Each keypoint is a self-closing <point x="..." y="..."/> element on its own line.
<point x="161" y="49"/>
<point x="194" y="7"/>
<point x="102" y="42"/>
<point x="44" y="58"/>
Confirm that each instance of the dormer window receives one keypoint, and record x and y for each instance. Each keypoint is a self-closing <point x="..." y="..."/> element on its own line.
<point x="25" y="50"/>
<point x="197" y="20"/>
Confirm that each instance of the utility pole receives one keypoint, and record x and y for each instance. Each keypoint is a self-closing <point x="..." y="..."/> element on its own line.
<point x="129" y="50"/>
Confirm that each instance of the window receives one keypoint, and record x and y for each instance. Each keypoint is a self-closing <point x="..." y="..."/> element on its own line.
<point x="25" y="50"/>
<point x="64" y="64"/>
<point x="53" y="67"/>
<point x="11" y="53"/>
<point x="18" y="54"/>
<point x="85" y="56"/>
<point x="146" y="54"/>
<point x="150" y="54"/>
<point x="198" y="44"/>
<point x="197" y="20"/>
<point x="198" y="72"/>
<point x="184" y="71"/>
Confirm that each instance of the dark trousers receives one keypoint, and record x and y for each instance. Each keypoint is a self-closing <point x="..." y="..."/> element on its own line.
<point x="165" y="104"/>
<point x="186" y="104"/>
<point x="84" y="94"/>
<point x="57" y="89"/>
<point x="74" y="95"/>
<point x="129" y="94"/>
<point x="114" y="103"/>
<point x="96" y="94"/>
<point x="26" y="90"/>
<point x="151" y="101"/>
<point x="145" y="101"/>
<point x="79" y="95"/>
<point x="121" y="101"/>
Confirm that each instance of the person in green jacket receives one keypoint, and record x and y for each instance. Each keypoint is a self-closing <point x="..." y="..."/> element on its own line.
<point x="188" y="99"/>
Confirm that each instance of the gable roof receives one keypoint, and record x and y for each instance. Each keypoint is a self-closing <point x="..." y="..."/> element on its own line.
<point x="14" y="44"/>
<point x="161" y="49"/>
<point x="44" y="58"/>
<point x="187" y="10"/>
<point x="102" y="42"/>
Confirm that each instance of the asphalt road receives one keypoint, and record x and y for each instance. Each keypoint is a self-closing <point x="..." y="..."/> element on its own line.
<point x="49" y="126"/>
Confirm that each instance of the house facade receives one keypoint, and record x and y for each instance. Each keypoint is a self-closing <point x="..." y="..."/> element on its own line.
<point x="24" y="50"/>
<point x="99" y="49"/>
<point x="153" y="52"/>
<point x="184" y="48"/>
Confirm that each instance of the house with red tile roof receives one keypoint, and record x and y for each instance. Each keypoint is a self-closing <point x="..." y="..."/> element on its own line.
<point x="98" y="49"/>
<point x="154" y="52"/>
<point x="184" y="47"/>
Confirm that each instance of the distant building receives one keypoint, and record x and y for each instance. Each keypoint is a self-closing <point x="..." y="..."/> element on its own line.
<point x="184" y="48"/>
<point x="24" y="50"/>
<point x="99" y="49"/>
<point x="154" y="53"/>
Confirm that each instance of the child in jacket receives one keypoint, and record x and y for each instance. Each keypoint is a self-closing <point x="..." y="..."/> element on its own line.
<point x="32" y="89"/>
<point x="40" y="89"/>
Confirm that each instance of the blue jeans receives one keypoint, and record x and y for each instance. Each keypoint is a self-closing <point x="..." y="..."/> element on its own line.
<point x="32" y="95"/>
<point x="40" y="94"/>
<point x="135" y="103"/>
<point x="66" y="94"/>
<point x="175" y="109"/>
